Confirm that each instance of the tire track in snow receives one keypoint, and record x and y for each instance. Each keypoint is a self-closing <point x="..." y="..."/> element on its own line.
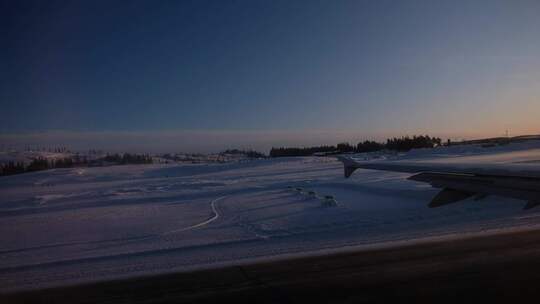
<point x="208" y="221"/>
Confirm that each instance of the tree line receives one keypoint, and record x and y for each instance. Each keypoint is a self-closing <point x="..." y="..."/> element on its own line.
<point x="404" y="143"/>
<point x="416" y="142"/>
<point x="47" y="149"/>
<point x="40" y="163"/>
<point x="247" y="153"/>
<point x="281" y="152"/>
<point x="37" y="164"/>
<point x="128" y="158"/>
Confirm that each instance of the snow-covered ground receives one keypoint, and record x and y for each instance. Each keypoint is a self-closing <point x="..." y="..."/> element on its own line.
<point x="67" y="226"/>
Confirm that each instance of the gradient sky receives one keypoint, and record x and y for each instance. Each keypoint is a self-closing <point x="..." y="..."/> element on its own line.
<point x="466" y="68"/>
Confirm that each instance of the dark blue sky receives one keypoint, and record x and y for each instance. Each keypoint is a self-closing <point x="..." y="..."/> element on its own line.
<point x="376" y="66"/>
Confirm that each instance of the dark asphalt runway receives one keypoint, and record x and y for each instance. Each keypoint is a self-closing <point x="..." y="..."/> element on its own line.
<point x="496" y="268"/>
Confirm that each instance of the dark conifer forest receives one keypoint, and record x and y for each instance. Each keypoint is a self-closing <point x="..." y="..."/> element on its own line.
<point x="401" y="144"/>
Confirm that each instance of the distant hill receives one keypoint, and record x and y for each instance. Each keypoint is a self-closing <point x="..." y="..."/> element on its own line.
<point x="497" y="140"/>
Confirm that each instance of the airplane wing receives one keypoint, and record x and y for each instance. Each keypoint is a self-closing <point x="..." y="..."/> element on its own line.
<point x="465" y="177"/>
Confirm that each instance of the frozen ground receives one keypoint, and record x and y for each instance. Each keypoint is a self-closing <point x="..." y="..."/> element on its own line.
<point x="67" y="226"/>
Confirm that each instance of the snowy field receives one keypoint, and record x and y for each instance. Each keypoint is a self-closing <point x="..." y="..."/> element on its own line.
<point x="67" y="226"/>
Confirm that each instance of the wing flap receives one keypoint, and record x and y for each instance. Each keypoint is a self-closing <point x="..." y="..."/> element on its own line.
<point x="449" y="196"/>
<point x="531" y="204"/>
